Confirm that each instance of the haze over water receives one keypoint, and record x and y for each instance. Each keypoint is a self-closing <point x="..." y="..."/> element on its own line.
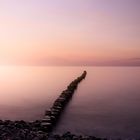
<point x="106" y="103"/>
<point x="38" y="34"/>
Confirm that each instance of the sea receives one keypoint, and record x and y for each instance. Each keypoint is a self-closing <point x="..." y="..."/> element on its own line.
<point x="106" y="103"/>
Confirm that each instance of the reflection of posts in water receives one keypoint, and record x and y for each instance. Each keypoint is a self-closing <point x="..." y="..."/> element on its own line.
<point x="52" y="115"/>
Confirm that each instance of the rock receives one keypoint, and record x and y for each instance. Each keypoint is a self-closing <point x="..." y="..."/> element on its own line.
<point x="39" y="129"/>
<point x="1" y="122"/>
<point x="57" y="107"/>
<point x="47" y="120"/>
<point x="48" y="112"/>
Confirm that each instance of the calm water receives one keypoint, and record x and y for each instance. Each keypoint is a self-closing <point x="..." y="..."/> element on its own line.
<point x="107" y="102"/>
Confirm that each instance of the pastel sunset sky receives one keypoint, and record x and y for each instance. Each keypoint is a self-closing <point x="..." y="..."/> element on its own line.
<point x="70" y="32"/>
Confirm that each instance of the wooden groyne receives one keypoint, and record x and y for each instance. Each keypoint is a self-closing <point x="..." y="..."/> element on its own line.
<point x="52" y="115"/>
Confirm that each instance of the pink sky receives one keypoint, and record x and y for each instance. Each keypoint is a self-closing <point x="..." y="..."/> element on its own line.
<point x="70" y="32"/>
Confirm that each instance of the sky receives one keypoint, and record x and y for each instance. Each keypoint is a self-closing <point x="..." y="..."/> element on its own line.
<point x="70" y="32"/>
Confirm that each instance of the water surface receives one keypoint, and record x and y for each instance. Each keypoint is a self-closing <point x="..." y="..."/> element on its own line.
<point x="105" y="104"/>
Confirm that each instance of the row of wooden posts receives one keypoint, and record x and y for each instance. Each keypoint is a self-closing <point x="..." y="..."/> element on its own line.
<point x="52" y="115"/>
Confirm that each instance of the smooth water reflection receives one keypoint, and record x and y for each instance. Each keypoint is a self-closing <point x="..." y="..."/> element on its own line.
<point x="105" y="104"/>
<point x="26" y="92"/>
